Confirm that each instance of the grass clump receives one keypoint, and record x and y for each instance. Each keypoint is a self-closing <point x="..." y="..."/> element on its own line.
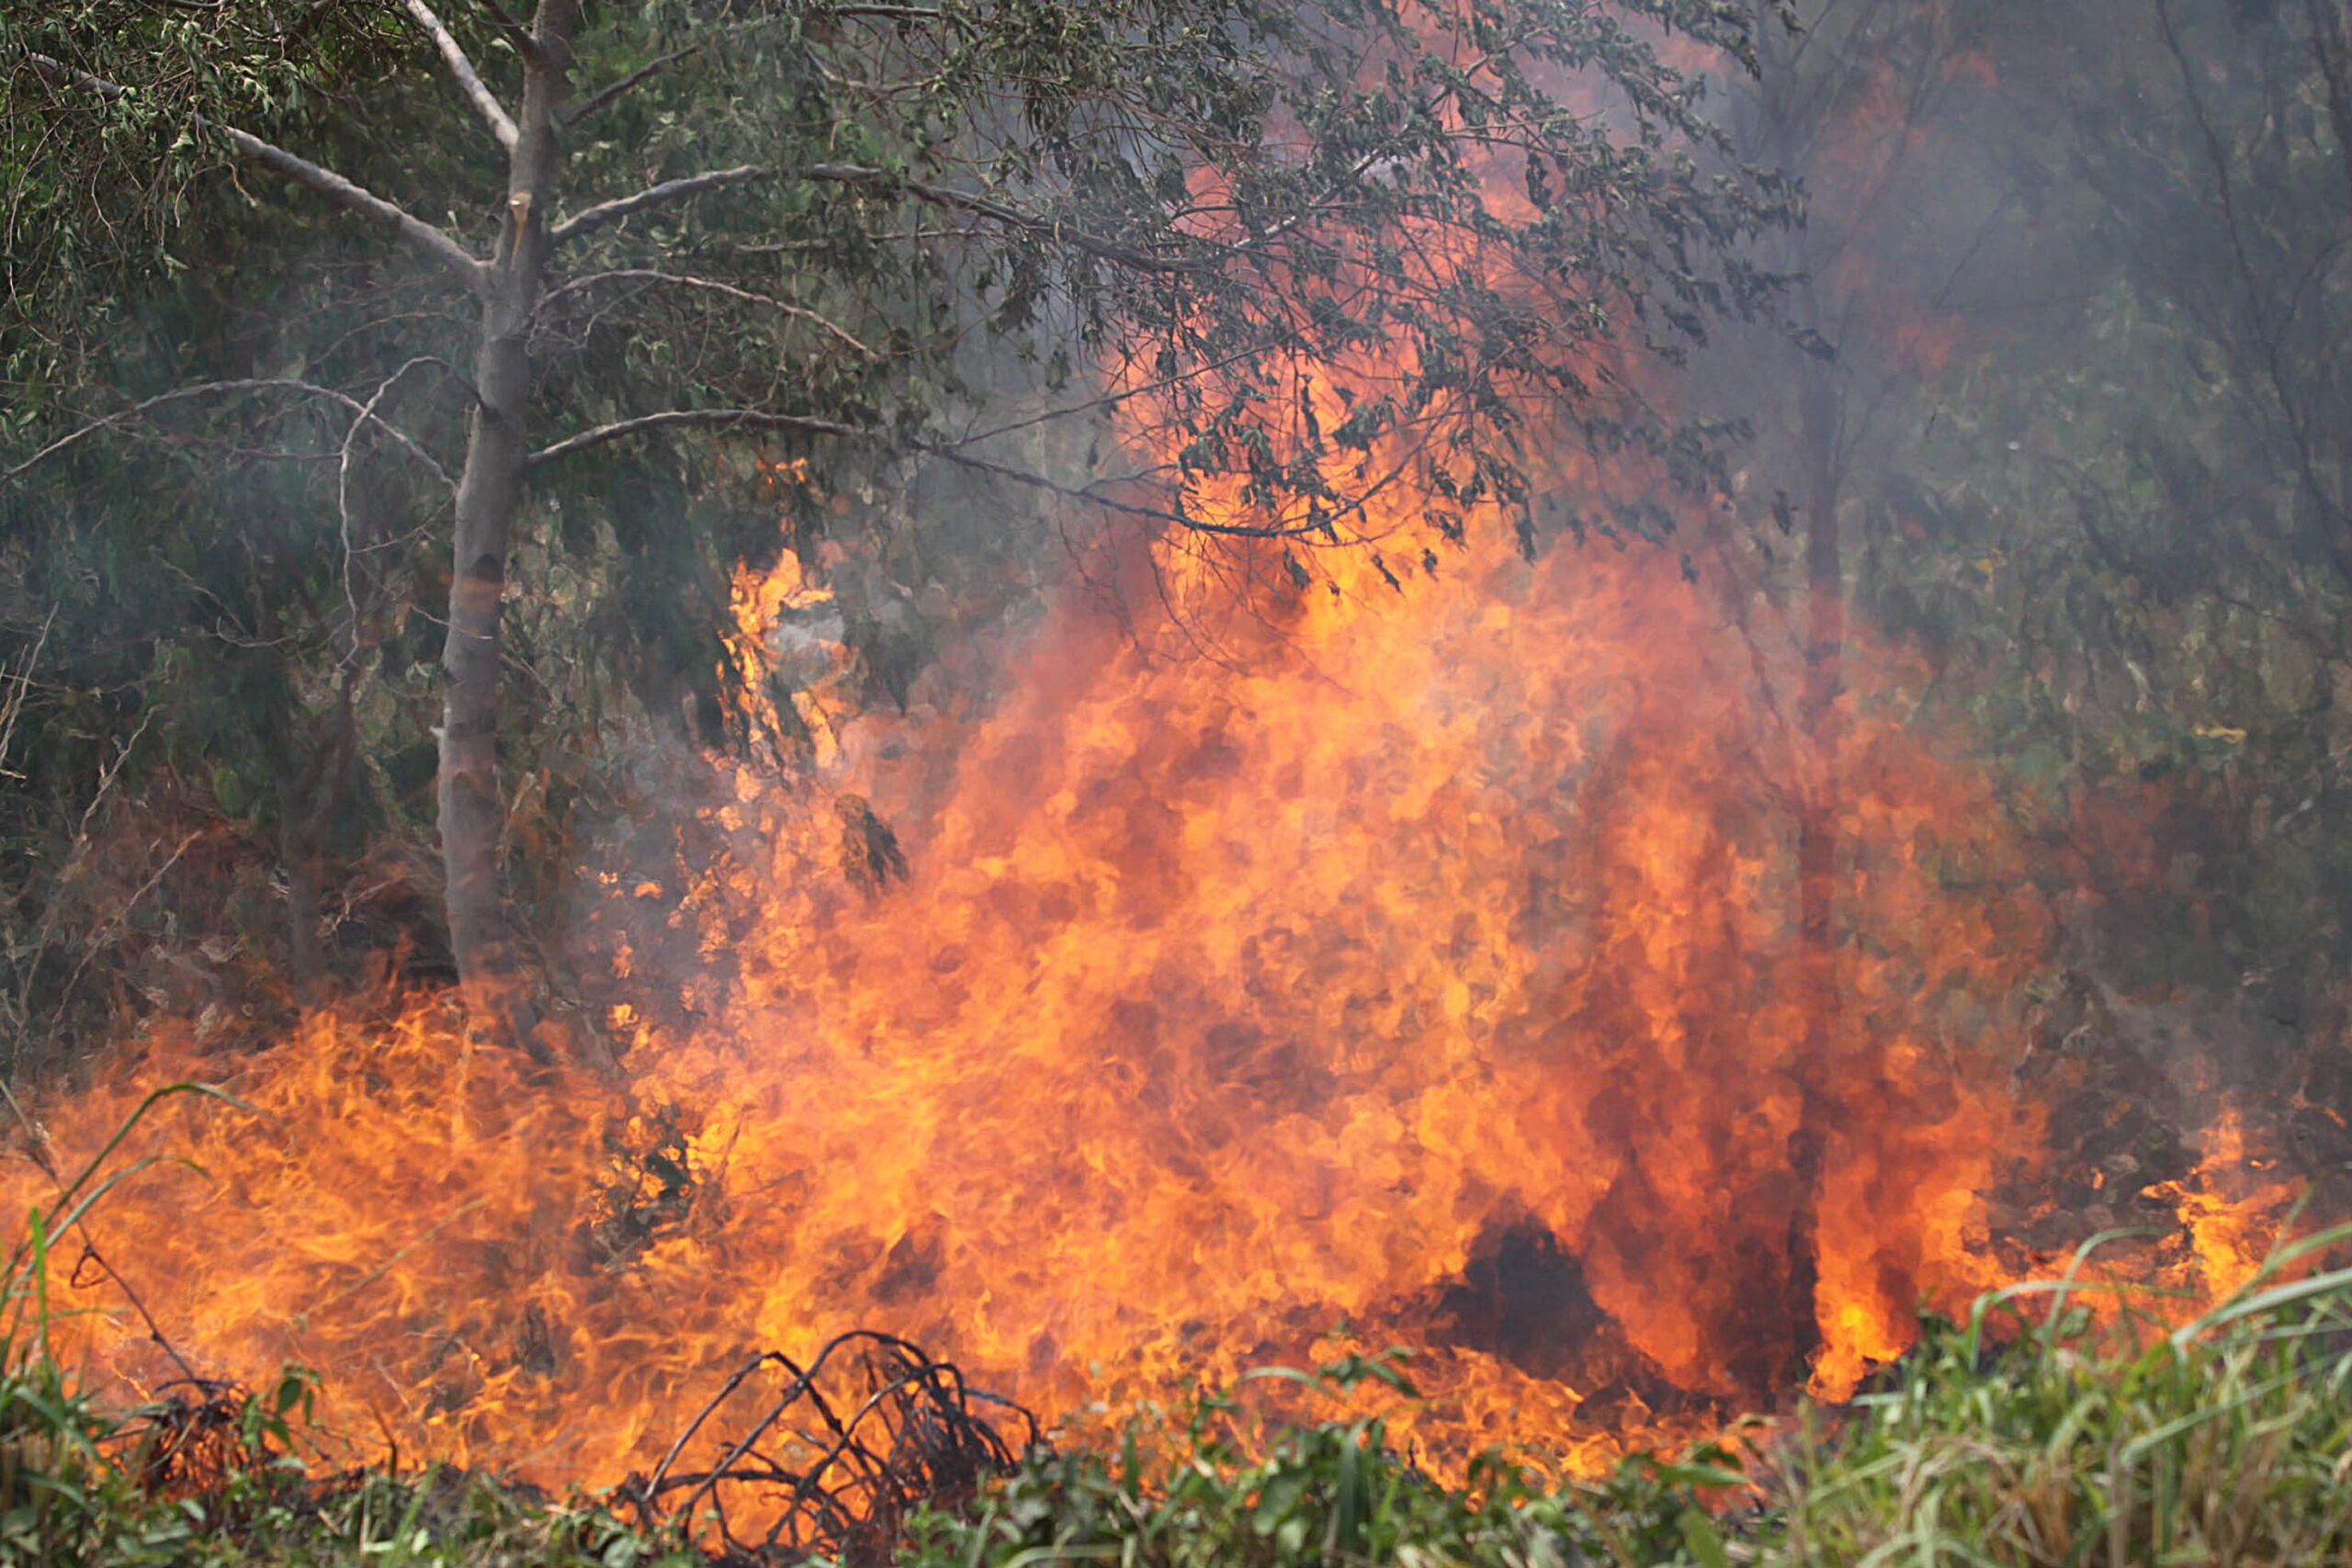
<point x="2093" y="1440"/>
<point x="1322" y="1494"/>
<point x="206" y="1474"/>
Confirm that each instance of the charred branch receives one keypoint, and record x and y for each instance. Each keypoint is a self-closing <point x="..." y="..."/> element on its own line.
<point x="836" y="1458"/>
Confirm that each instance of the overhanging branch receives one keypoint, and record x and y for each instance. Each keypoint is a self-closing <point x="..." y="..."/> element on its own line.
<point x="612" y="90"/>
<point x="1000" y="212"/>
<point x="740" y="419"/>
<point x="365" y="413"/>
<point x="469" y="80"/>
<point x="711" y="286"/>
<point x="756" y="419"/>
<point x="324" y="181"/>
<point x="606" y="213"/>
<point x="623" y="86"/>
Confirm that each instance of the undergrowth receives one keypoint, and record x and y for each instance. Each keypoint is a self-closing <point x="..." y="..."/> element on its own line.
<point x="2037" y="1433"/>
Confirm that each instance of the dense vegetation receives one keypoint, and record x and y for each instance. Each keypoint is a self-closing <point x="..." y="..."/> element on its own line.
<point x="2035" y="1433"/>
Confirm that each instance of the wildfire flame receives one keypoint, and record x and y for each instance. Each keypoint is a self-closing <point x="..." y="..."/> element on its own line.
<point x="1432" y="972"/>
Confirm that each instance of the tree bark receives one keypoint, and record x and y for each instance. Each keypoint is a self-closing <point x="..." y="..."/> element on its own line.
<point x="1818" y="814"/>
<point x="471" y="805"/>
<point x="1783" y="134"/>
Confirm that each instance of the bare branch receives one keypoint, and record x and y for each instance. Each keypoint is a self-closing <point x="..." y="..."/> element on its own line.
<point x="605" y="213"/>
<point x="516" y="33"/>
<point x="1093" y="495"/>
<point x="755" y="418"/>
<point x="18" y="685"/>
<point x="747" y="419"/>
<point x="326" y="182"/>
<point x="710" y="284"/>
<point x="613" y="90"/>
<point x="470" y="82"/>
<point x="609" y="212"/>
<point x="998" y="213"/>
<point x="366" y="411"/>
<point x="343" y="490"/>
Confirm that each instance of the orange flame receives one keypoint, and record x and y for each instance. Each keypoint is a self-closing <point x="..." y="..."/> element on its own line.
<point x="1432" y="971"/>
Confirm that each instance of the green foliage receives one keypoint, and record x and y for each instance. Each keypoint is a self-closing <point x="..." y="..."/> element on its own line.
<point x="1225" y="1487"/>
<point x="2087" y="1442"/>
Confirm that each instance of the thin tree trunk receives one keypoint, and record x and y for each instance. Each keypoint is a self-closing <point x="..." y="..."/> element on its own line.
<point x="1818" y="814"/>
<point x="472" y="807"/>
<point x="310" y="815"/>
<point x="1784" y="131"/>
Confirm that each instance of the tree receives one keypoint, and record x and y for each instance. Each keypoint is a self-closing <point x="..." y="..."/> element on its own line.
<point x="1853" y="102"/>
<point x="1330" y="249"/>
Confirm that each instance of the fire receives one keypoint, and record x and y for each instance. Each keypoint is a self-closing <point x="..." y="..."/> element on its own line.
<point x="2230" y="1209"/>
<point x="1430" y="971"/>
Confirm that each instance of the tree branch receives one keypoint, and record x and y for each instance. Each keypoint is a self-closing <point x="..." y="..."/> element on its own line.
<point x="749" y="419"/>
<point x="470" y="82"/>
<point x="516" y="33"/>
<point x="606" y="94"/>
<point x="326" y="182"/>
<point x="997" y="211"/>
<point x="1093" y="496"/>
<point x="606" y="213"/>
<point x="612" y="90"/>
<point x="366" y="412"/>
<point x="755" y="418"/>
<point x="711" y="284"/>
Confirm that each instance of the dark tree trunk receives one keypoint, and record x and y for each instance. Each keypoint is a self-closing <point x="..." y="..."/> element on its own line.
<point x="311" y="808"/>
<point x="1785" y="135"/>
<point x="472" y="806"/>
<point x="1817" y="812"/>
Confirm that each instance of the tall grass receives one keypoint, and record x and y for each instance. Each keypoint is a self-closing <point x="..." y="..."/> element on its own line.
<point x="206" y="1472"/>
<point x="2096" y="1439"/>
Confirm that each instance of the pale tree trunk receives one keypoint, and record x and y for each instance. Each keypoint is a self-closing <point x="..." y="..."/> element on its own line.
<point x="472" y="806"/>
